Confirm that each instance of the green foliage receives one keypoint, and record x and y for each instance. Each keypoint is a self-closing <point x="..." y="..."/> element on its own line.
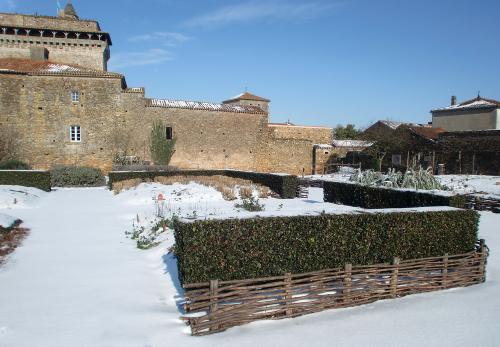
<point x="284" y="185"/>
<point x="259" y="247"/>
<point x="378" y="197"/>
<point x="14" y="164"/>
<point x="148" y="237"/>
<point x="345" y="133"/>
<point x="413" y="178"/>
<point x="161" y="149"/>
<point x="36" y="179"/>
<point x="250" y="204"/>
<point x="76" y="176"/>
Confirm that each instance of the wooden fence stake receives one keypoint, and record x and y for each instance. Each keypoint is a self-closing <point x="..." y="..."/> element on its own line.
<point x="482" y="261"/>
<point x="288" y="293"/>
<point x="445" y="271"/>
<point x="214" y="285"/>
<point x="394" y="278"/>
<point x="347" y="282"/>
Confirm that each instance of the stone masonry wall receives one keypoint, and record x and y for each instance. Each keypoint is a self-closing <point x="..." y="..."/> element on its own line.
<point x="318" y="135"/>
<point x="42" y="22"/>
<point x="40" y="111"/>
<point x="92" y="54"/>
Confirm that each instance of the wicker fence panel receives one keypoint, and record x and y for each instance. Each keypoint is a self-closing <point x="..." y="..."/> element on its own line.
<point x="218" y="305"/>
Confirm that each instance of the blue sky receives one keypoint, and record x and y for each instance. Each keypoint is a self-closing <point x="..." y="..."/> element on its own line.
<point x="320" y="62"/>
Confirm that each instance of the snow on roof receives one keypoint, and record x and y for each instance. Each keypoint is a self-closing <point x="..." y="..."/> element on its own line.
<point x="351" y="143"/>
<point x="391" y="124"/>
<point x="207" y="106"/>
<point x="61" y="68"/>
<point x="32" y="67"/>
<point x="322" y="146"/>
<point x="395" y="124"/>
<point x="477" y="103"/>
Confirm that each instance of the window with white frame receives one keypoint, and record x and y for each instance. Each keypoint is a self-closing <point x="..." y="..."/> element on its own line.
<point x="75" y="133"/>
<point x="75" y="96"/>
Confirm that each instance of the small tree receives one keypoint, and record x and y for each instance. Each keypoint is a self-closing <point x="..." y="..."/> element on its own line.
<point x="161" y="149"/>
<point x="348" y="132"/>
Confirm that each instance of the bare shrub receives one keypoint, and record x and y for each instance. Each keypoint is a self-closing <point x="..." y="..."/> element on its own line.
<point x="120" y="186"/>
<point x="168" y="180"/>
<point x="228" y="193"/>
<point x="227" y="186"/>
<point x="246" y="192"/>
<point x="263" y="191"/>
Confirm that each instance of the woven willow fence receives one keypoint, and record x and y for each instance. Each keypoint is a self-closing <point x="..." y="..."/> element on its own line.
<point x="218" y="305"/>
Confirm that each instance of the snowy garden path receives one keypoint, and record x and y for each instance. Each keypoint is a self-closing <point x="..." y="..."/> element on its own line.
<point x="77" y="281"/>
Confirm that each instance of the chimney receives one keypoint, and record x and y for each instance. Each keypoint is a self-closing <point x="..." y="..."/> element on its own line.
<point x="453" y="100"/>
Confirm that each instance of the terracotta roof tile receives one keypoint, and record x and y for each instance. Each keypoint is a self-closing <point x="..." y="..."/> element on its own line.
<point x="206" y="106"/>
<point x="32" y="67"/>
<point x="427" y="132"/>
<point x="246" y="96"/>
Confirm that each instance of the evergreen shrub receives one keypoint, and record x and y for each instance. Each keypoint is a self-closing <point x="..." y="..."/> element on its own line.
<point x="14" y="164"/>
<point x="76" y="176"/>
<point x="378" y="197"/>
<point x="26" y="178"/>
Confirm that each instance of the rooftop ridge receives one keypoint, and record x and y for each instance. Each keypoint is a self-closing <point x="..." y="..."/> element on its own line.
<point x="246" y="96"/>
<point x="475" y="103"/>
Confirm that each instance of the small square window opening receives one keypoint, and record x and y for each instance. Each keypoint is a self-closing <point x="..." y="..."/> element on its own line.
<point x="169" y="134"/>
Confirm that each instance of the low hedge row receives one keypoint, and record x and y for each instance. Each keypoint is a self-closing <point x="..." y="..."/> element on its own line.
<point x="36" y="179"/>
<point x="284" y="185"/>
<point x="374" y="197"/>
<point x="249" y="248"/>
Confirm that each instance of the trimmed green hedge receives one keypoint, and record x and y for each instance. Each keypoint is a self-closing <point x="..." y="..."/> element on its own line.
<point x="259" y="247"/>
<point x="14" y="164"/>
<point x="36" y="179"/>
<point x="284" y="185"/>
<point x="374" y="197"/>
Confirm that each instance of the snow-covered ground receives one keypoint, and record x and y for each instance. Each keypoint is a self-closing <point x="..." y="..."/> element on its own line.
<point x="14" y="197"/>
<point x="6" y="220"/>
<point x="78" y="281"/>
<point x="484" y="186"/>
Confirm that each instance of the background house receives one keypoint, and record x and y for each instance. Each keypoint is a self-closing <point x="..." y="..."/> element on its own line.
<point x="474" y="114"/>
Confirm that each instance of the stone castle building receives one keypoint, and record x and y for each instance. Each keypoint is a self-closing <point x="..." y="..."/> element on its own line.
<point x="63" y="106"/>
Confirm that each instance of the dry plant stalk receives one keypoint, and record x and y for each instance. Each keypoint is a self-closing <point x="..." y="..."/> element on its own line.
<point x="246" y="192"/>
<point x="225" y="185"/>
